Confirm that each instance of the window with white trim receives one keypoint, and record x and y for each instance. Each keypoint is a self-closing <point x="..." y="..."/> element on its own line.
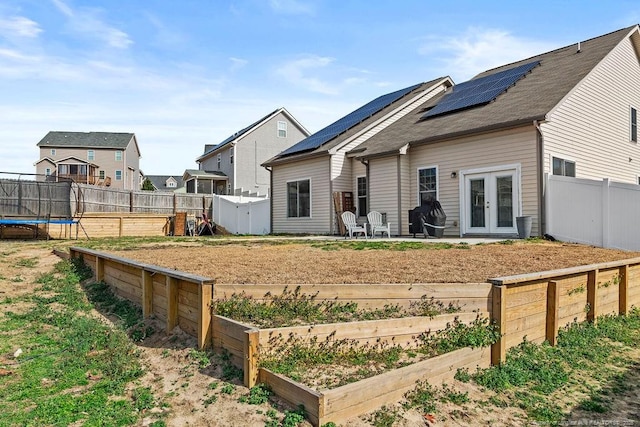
<point x="634" y="125"/>
<point x="427" y="184"/>
<point x="171" y="184"/>
<point x="219" y="160"/>
<point x="91" y="155"/>
<point x="53" y="151"/>
<point x="119" y="156"/>
<point x="299" y="199"/>
<point x="362" y="195"/>
<point x="563" y="167"/>
<point x="118" y="175"/>
<point x="101" y="174"/>
<point x="47" y="171"/>
<point x="231" y="155"/>
<point x="282" y="129"/>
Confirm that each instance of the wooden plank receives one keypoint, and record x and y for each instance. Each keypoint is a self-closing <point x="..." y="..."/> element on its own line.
<point x="592" y="295"/>
<point x="295" y="394"/>
<point x="623" y="289"/>
<point x="366" y="395"/>
<point x="188" y="326"/>
<point x="359" y="290"/>
<point x="188" y="312"/>
<point x="554" y="274"/>
<point x="499" y="317"/>
<point x="172" y="303"/>
<point x="516" y="288"/>
<point x="530" y="309"/>
<point x="553" y="304"/>
<point x="401" y="331"/>
<point x="538" y="293"/>
<point x="190" y="287"/>
<point x="99" y="268"/>
<point x="147" y="294"/>
<point x="204" y="318"/>
<point x="534" y="336"/>
<point x="535" y="321"/>
<point x="250" y="358"/>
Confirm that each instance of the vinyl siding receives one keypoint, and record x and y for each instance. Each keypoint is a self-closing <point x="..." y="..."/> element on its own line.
<point x="516" y="146"/>
<point x="383" y="184"/>
<point x="591" y="126"/>
<point x="317" y="170"/>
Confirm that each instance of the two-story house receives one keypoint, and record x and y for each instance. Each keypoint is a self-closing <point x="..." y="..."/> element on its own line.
<point x="97" y="158"/>
<point x="232" y="167"/>
<point x="171" y="183"/>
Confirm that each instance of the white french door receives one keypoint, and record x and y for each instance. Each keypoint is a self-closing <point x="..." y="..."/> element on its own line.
<point x="491" y="202"/>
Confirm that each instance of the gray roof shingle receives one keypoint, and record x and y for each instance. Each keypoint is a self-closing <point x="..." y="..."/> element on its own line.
<point x="86" y="139"/>
<point x="531" y="98"/>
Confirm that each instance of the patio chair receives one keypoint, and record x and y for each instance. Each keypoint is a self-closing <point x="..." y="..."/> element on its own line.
<point x="377" y="225"/>
<point x="353" y="228"/>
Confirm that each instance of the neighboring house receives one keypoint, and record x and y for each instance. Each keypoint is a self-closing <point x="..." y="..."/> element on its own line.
<point x="172" y="183"/>
<point x="96" y="158"/>
<point x="233" y="166"/>
<point x="483" y="147"/>
<point x="306" y="176"/>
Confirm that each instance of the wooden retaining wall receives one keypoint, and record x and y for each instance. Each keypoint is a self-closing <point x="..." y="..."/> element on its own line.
<point x="538" y="305"/>
<point x="351" y="400"/>
<point x="469" y="296"/>
<point x="533" y="305"/>
<point x="181" y="299"/>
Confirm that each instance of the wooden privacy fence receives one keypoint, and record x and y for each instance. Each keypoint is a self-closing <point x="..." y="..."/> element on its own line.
<point x="537" y="305"/>
<point x="99" y="199"/>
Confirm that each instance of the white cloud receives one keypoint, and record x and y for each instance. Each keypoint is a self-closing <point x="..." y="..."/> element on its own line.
<point x="479" y="49"/>
<point x="87" y="22"/>
<point x="297" y="72"/>
<point x="19" y="26"/>
<point x="292" y="7"/>
<point x="237" y="63"/>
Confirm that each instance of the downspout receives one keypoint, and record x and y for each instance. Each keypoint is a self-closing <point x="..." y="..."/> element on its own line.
<point x="542" y="213"/>
<point x="399" y="179"/>
<point x="332" y="206"/>
<point x="270" y="195"/>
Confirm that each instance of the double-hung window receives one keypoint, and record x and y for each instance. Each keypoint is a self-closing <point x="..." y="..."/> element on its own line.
<point x="564" y="167"/>
<point x="101" y="174"/>
<point x="91" y="155"/>
<point x="299" y="199"/>
<point x="427" y="184"/>
<point x="118" y="175"/>
<point x="118" y="156"/>
<point x="282" y="129"/>
<point x="362" y="195"/>
<point x="219" y="160"/>
<point x="231" y="155"/>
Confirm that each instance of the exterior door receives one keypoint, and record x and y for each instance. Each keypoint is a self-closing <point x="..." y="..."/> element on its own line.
<point x="491" y="201"/>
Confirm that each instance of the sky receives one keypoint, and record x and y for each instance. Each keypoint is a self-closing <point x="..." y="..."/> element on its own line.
<point x="182" y="74"/>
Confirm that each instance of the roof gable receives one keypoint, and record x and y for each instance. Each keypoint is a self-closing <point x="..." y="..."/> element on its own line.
<point x="531" y="98"/>
<point x="244" y="132"/>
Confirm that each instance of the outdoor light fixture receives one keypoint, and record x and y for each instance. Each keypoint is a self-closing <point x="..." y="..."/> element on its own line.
<point x="454" y="174"/>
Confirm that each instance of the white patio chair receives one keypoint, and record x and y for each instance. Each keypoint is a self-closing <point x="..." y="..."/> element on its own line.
<point x="353" y="228"/>
<point x="376" y="224"/>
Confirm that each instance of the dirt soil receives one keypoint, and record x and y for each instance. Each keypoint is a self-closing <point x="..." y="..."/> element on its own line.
<point x="297" y="263"/>
<point x="194" y="395"/>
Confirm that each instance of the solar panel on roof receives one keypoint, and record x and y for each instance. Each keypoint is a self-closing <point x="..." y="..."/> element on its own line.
<point x="479" y="91"/>
<point x="347" y="122"/>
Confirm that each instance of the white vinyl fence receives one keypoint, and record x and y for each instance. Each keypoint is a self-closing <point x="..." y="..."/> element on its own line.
<point x="600" y="213"/>
<point x="243" y="215"/>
